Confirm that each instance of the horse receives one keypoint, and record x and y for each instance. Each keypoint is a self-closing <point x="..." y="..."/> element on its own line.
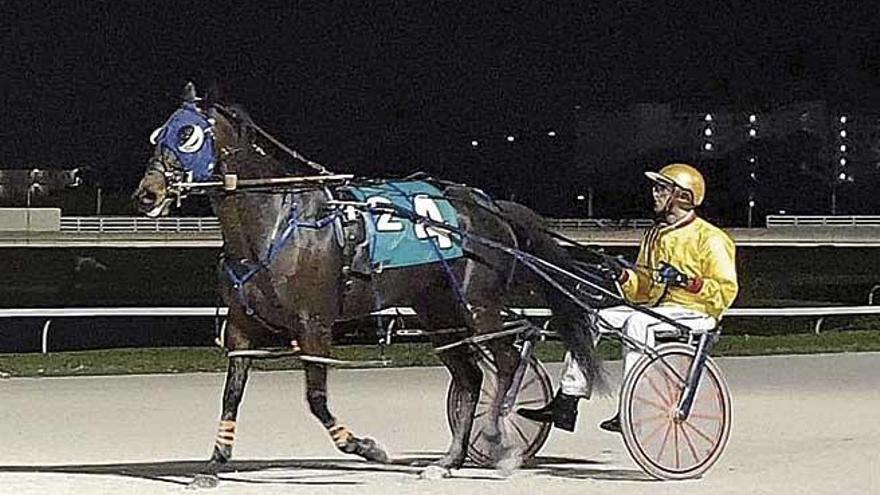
<point x="287" y="271"/>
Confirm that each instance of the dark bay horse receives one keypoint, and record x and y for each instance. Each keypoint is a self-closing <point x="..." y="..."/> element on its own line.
<point x="286" y="274"/>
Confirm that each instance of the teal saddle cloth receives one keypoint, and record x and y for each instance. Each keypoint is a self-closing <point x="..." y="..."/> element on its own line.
<point x="395" y="240"/>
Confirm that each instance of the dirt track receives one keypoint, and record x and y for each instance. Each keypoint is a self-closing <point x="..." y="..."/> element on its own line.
<point x="802" y="424"/>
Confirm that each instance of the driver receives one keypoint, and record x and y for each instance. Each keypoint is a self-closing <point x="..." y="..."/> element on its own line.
<point x="685" y="271"/>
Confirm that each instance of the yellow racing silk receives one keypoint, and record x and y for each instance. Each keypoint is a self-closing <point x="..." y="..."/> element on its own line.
<point x="700" y="250"/>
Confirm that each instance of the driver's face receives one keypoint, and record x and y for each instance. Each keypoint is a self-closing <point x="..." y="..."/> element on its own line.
<point x="661" y="193"/>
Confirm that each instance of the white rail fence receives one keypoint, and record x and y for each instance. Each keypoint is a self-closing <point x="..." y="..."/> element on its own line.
<point x="139" y="224"/>
<point x="820" y="312"/>
<point x="212" y="224"/>
<point x="823" y="221"/>
<point x="113" y="224"/>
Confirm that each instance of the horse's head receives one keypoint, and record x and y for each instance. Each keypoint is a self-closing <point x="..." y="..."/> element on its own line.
<point x="186" y="149"/>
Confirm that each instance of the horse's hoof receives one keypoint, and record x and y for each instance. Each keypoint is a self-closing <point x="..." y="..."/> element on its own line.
<point x="434" y="473"/>
<point x="203" y="481"/>
<point x="372" y="451"/>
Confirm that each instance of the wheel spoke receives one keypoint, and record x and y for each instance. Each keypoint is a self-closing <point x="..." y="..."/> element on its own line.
<point x="669" y="387"/>
<point x="656" y="390"/>
<point x="652" y="433"/>
<point x="677" y="453"/>
<point x="530" y="381"/>
<point x="521" y="433"/>
<point x="690" y="444"/>
<point x="699" y="432"/>
<point x="647" y="419"/>
<point x="663" y="445"/>
<point x="675" y="390"/>
<point x="711" y="417"/>
<point x="662" y="407"/>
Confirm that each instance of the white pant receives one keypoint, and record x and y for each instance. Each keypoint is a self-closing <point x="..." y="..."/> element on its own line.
<point x="638" y="326"/>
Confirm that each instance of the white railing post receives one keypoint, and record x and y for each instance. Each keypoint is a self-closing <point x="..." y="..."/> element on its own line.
<point x="44" y="340"/>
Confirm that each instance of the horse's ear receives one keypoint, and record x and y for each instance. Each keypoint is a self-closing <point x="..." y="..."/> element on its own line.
<point x="215" y="93"/>
<point x="189" y="93"/>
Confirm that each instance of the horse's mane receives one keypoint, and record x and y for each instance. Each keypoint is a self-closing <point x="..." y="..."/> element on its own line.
<point x="253" y="137"/>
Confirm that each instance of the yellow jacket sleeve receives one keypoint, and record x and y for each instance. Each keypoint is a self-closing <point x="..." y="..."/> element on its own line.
<point x="636" y="284"/>
<point x="719" y="273"/>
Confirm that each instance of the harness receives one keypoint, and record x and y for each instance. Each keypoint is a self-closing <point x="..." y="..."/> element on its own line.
<point x="241" y="271"/>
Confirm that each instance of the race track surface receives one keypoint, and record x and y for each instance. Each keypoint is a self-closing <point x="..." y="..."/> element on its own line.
<point x="802" y="424"/>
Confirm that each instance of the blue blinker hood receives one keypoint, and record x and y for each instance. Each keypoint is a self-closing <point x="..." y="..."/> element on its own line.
<point x="188" y="136"/>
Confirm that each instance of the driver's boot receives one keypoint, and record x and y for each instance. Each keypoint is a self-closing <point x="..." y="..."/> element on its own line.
<point x="561" y="411"/>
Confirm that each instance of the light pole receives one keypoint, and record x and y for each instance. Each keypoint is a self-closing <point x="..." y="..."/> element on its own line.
<point x="589" y="202"/>
<point x="834" y="197"/>
<point x="30" y="192"/>
<point x="751" y="208"/>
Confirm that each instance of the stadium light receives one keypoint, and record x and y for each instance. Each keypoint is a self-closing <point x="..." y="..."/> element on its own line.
<point x="475" y="143"/>
<point x="843" y="162"/>
<point x="510" y="138"/>
<point x="843" y="119"/>
<point x="842" y="176"/>
<point x="843" y="133"/>
<point x="708" y="132"/>
<point x="552" y="133"/>
<point x="708" y="117"/>
<point x="752" y="118"/>
<point x="843" y="148"/>
<point x="753" y="133"/>
<point x="707" y="146"/>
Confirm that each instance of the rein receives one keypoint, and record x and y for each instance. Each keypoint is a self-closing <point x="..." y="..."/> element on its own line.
<point x="240" y="272"/>
<point x="230" y="113"/>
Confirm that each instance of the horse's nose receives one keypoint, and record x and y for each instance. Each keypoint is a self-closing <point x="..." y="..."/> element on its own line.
<point x="145" y="199"/>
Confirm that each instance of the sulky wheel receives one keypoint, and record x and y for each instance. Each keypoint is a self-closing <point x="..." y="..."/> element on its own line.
<point x="526" y="436"/>
<point x="662" y="446"/>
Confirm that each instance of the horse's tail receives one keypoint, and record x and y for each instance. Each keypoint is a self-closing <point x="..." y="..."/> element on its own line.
<point x="570" y="321"/>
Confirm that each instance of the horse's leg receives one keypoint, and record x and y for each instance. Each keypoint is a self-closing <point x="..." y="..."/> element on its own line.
<point x="468" y="376"/>
<point x="506" y="359"/>
<point x="236" y="379"/>
<point x="316" y="395"/>
<point x="486" y="320"/>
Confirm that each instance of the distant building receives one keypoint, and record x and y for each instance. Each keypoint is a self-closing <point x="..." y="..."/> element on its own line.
<point x="801" y="158"/>
<point x="18" y="187"/>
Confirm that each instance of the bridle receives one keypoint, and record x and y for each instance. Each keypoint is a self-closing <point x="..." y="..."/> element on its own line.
<point x="168" y="161"/>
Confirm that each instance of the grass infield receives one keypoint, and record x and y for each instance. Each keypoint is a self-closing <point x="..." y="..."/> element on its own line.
<point x="202" y="359"/>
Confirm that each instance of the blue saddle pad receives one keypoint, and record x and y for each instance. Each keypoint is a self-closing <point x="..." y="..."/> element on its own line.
<point x="396" y="241"/>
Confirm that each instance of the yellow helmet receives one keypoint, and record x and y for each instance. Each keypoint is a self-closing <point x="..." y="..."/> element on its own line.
<point x="683" y="176"/>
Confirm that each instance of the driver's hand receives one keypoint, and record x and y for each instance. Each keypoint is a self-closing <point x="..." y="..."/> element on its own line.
<point x="616" y="265"/>
<point x="671" y="275"/>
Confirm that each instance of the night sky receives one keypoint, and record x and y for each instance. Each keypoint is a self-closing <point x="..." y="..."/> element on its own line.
<point x="388" y="88"/>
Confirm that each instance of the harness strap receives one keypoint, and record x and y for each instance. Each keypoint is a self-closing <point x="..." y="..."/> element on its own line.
<point x="252" y="268"/>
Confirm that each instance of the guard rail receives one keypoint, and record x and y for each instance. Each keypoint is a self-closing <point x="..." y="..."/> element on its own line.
<point x="822" y="221"/>
<point x="817" y="311"/>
